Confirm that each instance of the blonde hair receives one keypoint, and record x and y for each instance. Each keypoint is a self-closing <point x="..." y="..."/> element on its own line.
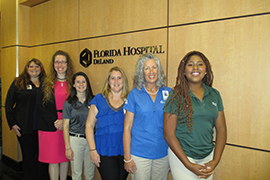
<point x="106" y="88"/>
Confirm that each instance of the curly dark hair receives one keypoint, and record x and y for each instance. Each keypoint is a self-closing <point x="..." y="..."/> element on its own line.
<point x="181" y="92"/>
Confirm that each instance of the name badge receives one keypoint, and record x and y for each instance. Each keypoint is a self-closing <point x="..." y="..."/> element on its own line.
<point x="165" y="94"/>
<point x="29" y="87"/>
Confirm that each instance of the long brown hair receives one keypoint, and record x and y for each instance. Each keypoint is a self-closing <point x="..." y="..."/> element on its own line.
<point x="23" y="80"/>
<point x="49" y="81"/>
<point x="181" y="92"/>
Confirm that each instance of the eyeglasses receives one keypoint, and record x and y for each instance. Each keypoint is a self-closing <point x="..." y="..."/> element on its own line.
<point x="60" y="62"/>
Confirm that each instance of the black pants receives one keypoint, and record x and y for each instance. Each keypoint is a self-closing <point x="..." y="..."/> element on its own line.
<point x="32" y="168"/>
<point x="112" y="168"/>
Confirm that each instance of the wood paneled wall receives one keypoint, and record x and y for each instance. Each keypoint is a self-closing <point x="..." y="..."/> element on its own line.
<point x="234" y="35"/>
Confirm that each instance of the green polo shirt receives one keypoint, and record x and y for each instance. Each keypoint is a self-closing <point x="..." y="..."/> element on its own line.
<point x="199" y="143"/>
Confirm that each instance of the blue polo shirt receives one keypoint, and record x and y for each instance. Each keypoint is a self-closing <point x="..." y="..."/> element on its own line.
<point x="198" y="143"/>
<point x="147" y="131"/>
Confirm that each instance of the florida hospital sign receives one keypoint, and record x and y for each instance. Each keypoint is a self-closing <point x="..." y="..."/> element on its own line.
<point x="88" y="57"/>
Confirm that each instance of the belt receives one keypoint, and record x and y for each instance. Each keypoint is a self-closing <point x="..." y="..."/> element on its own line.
<point x="60" y="110"/>
<point x="77" y="135"/>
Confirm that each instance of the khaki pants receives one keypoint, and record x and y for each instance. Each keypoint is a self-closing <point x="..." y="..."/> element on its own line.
<point x="150" y="169"/>
<point x="81" y="152"/>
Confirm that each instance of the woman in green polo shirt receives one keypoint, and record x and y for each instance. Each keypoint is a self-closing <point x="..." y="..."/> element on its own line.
<point x="191" y="111"/>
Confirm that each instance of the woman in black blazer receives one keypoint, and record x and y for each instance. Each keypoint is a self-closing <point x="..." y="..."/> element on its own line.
<point x="22" y="116"/>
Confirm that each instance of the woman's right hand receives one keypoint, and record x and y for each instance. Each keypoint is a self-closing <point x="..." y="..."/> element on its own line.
<point x="130" y="166"/>
<point x="199" y="170"/>
<point x="95" y="158"/>
<point x="58" y="124"/>
<point x="69" y="154"/>
<point x="17" y="129"/>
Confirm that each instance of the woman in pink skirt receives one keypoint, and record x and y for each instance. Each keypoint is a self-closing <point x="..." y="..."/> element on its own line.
<point x="50" y="100"/>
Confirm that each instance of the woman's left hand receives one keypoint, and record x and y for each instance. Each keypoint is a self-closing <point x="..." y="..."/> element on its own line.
<point x="58" y="124"/>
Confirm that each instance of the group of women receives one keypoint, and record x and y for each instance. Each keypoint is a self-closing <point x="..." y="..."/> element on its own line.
<point x="145" y="132"/>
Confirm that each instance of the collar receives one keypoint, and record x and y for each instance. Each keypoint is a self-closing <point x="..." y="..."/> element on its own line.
<point x="206" y="91"/>
<point x="143" y="88"/>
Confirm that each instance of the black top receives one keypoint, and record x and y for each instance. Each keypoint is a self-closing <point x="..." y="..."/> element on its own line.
<point x="47" y="112"/>
<point x="20" y="107"/>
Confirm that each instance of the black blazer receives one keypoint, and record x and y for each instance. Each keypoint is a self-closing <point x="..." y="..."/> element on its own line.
<point x="20" y="106"/>
<point x="47" y="112"/>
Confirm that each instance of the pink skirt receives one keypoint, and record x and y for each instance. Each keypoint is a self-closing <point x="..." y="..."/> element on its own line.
<point x="51" y="147"/>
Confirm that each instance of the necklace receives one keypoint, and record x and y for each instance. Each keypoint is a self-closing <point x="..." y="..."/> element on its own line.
<point x="61" y="79"/>
<point x="150" y="92"/>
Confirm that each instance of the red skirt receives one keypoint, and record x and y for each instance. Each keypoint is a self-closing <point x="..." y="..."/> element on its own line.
<point x="51" y="147"/>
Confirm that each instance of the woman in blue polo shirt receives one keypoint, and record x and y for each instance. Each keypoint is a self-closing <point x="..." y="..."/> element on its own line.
<point x="145" y="150"/>
<point x="191" y="112"/>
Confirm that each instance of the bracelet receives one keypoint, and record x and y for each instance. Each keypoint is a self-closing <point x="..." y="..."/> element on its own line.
<point x="68" y="149"/>
<point x="93" y="149"/>
<point x="128" y="160"/>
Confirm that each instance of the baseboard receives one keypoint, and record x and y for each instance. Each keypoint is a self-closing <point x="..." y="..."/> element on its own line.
<point x="17" y="166"/>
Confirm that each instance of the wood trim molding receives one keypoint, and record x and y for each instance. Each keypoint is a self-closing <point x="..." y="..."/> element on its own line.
<point x="31" y="3"/>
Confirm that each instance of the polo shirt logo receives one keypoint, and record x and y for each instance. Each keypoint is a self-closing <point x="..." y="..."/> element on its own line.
<point x="215" y="104"/>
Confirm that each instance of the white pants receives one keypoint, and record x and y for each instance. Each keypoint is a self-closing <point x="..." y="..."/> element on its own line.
<point x="180" y="172"/>
<point x="149" y="169"/>
<point x="81" y="152"/>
